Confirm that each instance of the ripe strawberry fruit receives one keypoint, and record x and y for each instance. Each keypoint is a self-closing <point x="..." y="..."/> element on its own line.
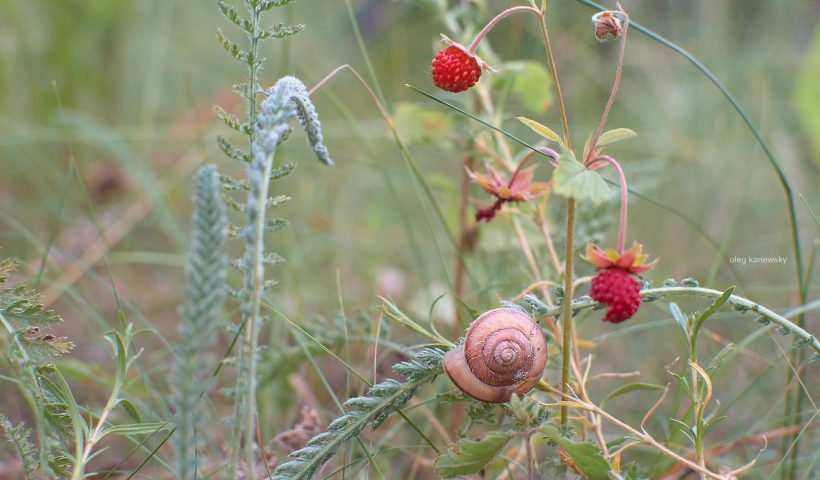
<point x="615" y="286"/>
<point x="455" y="70"/>
<point x="619" y="290"/>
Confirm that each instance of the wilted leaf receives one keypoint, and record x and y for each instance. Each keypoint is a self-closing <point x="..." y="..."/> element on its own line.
<point x="470" y="456"/>
<point x="572" y="179"/>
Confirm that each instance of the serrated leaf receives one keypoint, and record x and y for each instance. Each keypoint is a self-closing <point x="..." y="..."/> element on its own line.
<point x="233" y="49"/>
<point x="234" y="16"/>
<point x="631" y="387"/>
<point x="542" y="130"/>
<point x="281" y="31"/>
<point x="230" y="120"/>
<point x="268" y="4"/>
<point x="587" y="457"/>
<point x="615" y="135"/>
<point x="571" y="179"/>
<point x="230" y="151"/>
<point x="471" y="456"/>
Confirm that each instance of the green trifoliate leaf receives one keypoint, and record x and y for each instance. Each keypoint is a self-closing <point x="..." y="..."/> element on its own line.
<point x="587" y="457"/>
<point x="571" y="179"/>
<point x="615" y="135"/>
<point x="471" y="456"/>
<point x="542" y="130"/>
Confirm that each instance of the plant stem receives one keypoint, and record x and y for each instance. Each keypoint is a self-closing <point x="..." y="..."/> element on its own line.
<point x="624" y="200"/>
<point x="484" y="31"/>
<point x="614" y="91"/>
<point x="556" y="84"/>
<point x="567" y="315"/>
<point x="567" y="325"/>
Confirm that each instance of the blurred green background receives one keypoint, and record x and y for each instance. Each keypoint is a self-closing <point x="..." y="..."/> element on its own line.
<point x="125" y="89"/>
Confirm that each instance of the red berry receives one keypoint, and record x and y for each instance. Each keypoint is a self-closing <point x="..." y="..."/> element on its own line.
<point x="455" y="70"/>
<point x="619" y="290"/>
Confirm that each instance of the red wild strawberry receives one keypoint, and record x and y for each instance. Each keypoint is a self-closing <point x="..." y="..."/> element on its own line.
<point x="455" y="70"/>
<point x="619" y="290"/>
<point x="614" y="286"/>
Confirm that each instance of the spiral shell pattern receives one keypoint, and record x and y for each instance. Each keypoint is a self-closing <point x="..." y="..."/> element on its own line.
<point x="504" y="352"/>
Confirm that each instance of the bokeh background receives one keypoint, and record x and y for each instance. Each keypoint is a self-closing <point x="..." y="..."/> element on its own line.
<point x="105" y="112"/>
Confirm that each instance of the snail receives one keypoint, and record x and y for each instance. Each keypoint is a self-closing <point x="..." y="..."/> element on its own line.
<point x="504" y="352"/>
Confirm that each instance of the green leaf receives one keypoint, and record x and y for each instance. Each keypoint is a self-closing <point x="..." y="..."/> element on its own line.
<point x="137" y="428"/>
<point x="529" y="81"/>
<point x="708" y="313"/>
<point x="572" y="179"/>
<point x="470" y="456"/>
<point x="720" y="358"/>
<point x="542" y="130"/>
<point x="615" y="135"/>
<point x="679" y="317"/>
<point x="806" y="100"/>
<point x="631" y="387"/>
<point x="587" y="457"/>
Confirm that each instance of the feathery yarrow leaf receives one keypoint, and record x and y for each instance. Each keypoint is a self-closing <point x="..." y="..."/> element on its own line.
<point x="380" y="401"/>
<point x="205" y="292"/>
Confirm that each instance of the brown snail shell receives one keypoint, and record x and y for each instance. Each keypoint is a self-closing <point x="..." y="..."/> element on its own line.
<point x="504" y="352"/>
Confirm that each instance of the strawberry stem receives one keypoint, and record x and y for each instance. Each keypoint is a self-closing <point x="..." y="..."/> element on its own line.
<point x="484" y="31"/>
<point x="545" y="150"/>
<point x="624" y="198"/>
<point x="611" y="100"/>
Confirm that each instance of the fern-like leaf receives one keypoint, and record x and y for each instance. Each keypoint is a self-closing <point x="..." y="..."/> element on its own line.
<point x="205" y="292"/>
<point x="18" y="436"/>
<point x="381" y="400"/>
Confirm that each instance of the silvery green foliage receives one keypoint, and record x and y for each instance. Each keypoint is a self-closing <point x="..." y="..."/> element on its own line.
<point x="205" y="291"/>
<point x="286" y="100"/>
<point x="27" y="354"/>
<point x="18" y="436"/>
<point x="381" y="400"/>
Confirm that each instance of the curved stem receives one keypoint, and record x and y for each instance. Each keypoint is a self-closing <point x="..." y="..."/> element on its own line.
<point x="624" y="199"/>
<point x="615" y="86"/>
<point x="484" y="31"/>
<point x="545" y="150"/>
<point x="740" y="303"/>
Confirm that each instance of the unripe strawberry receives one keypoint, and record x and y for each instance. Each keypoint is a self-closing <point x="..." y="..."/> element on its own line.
<point x="455" y="70"/>
<point x="619" y="290"/>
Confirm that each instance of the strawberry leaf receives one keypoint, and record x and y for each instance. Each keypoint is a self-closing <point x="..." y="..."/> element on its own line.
<point x="571" y="179"/>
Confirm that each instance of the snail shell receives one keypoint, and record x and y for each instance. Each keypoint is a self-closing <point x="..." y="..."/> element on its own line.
<point x="504" y="352"/>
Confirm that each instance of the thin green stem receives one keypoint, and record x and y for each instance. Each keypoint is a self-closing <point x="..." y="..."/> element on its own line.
<point x="567" y="306"/>
<point x="556" y="84"/>
<point x="568" y="261"/>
